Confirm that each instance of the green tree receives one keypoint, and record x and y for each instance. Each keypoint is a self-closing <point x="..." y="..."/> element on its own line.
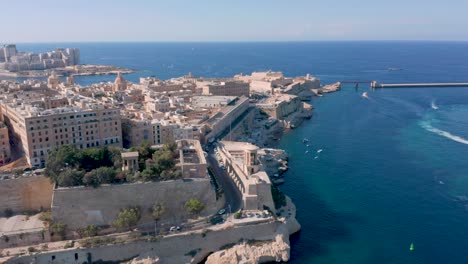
<point x="127" y="218"/>
<point x="116" y="157"/>
<point x="91" y="179"/>
<point x="102" y="175"/>
<point x="194" y="206"/>
<point x="171" y="147"/>
<point x="71" y="177"/>
<point x="59" y="160"/>
<point x="157" y="211"/>
<point x="163" y="160"/>
<point x="89" y="231"/>
<point x="58" y="229"/>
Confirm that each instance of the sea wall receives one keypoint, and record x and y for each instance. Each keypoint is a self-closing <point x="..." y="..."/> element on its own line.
<point x="22" y="194"/>
<point x="81" y="206"/>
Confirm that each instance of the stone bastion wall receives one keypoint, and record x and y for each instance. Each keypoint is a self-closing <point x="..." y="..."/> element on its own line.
<point x="78" y="207"/>
<point x="182" y="248"/>
<point x="22" y="194"/>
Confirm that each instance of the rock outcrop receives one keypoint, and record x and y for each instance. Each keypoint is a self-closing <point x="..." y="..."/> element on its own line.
<point x="254" y="252"/>
<point x="276" y="250"/>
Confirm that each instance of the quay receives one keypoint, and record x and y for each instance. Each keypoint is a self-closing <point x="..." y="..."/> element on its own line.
<point x="375" y="84"/>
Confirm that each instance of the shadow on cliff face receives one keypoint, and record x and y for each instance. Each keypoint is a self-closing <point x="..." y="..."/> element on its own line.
<point x="320" y="224"/>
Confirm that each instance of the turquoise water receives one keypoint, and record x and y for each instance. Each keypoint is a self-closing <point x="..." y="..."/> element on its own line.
<point x="389" y="174"/>
<point x="392" y="170"/>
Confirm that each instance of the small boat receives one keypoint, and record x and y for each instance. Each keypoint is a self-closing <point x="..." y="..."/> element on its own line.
<point x="364" y="94"/>
<point x="320" y="150"/>
<point x="441" y="182"/>
<point x="316" y="157"/>
<point x="411" y="247"/>
<point x="305" y="140"/>
<point x="306" y="152"/>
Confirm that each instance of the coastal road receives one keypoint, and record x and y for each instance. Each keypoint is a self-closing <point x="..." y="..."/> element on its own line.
<point x="231" y="193"/>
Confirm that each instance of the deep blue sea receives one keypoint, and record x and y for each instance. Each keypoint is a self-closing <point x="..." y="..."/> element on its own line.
<point x="393" y="169"/>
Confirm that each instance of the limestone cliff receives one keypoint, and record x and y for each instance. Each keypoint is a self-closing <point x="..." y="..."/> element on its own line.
<point x="254" y="252"/>
<point x="275" y="250"/>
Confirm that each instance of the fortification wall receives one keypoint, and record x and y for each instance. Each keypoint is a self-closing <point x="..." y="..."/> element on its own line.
<point x="81" y="206"/>
<point x="25" y="194"/>
<point x="182" y="248"/>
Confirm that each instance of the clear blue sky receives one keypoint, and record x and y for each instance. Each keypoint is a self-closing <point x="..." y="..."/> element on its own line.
<point x="232" y="20"/>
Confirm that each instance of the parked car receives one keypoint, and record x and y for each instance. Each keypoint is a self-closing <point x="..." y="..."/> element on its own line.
<point x="222" y="211"/>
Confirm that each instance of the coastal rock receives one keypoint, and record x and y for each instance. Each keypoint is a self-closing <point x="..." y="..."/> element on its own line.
<point x="145" y="260"/>
<point x="254" y="252"/>
<point x="152" y="258"/>
<point x="331" y="88"/>
<point x="291" y="223"/>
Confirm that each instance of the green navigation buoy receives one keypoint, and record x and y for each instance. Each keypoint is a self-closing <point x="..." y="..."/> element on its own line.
<point x="411" y="247"/>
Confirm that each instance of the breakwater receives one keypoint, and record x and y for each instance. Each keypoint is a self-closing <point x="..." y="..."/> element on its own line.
<point x="375" y="84"/>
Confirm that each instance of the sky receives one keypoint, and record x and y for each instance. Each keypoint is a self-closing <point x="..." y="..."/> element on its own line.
<point x="231" y="20"/>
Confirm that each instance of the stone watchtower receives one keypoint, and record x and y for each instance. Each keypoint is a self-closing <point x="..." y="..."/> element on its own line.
<point x="130" y="161"/>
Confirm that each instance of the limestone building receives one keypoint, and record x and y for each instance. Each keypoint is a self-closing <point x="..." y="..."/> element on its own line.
<point x="226" y="88"/>
<point x="192" y="159"/>
<point x="130" y="161"/>
<point x="280" y="106"/>
<point x="242" y="164"/>
<point x="5" y="151"/>
<point x="39" y="130"/>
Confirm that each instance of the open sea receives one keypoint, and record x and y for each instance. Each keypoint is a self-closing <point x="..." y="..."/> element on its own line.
<point x="393" y="169"/>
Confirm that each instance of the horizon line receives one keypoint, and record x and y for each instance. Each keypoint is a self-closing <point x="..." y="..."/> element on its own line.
<point x="228" y="41"/>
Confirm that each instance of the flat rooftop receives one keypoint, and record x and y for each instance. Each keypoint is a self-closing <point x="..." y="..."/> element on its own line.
<point x="238" y="146"/>
<point x="133" y="154"/>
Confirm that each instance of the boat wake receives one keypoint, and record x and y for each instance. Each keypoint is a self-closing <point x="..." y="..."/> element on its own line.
<point x="428" y="127"/>
<point x="433" y="105"/>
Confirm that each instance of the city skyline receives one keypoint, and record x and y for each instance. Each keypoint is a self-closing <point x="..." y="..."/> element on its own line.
<point x="211" y="21"/>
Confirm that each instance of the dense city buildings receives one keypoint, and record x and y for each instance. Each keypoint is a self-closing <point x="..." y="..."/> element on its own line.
<point x="14" y="61"/>
<point x="168" y="150"/>
<point x="42" y="116"/>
